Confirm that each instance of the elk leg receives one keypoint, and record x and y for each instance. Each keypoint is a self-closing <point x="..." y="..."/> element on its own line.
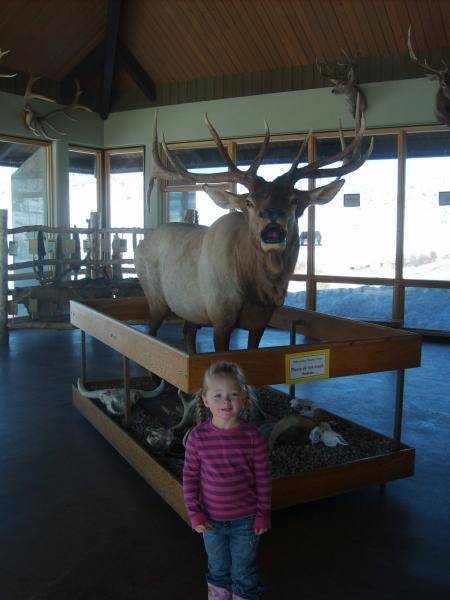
<point x="189" y="336"/>
<point x="254" y="337"/>
<point x="222" y="339"/>
<point x="156" y="318"/>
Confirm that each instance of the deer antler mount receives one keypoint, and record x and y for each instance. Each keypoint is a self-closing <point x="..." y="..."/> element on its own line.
<point x="40" y="124"/>
<point x="342" y="76"/>
<point x="4" y="75"/>
<point x="442" y="76"/>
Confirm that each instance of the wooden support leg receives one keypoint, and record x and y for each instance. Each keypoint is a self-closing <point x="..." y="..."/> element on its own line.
<point x="400" y="385"/>
<point x="83" y="357"/>
<point x="126" y="390"/>
<point x="292" y="340"/>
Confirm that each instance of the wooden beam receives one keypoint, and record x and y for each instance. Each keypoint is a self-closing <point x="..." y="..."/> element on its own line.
<point x="112" y="32"/>
<point x="137" y="72"/>
<point x="90" y="64"/>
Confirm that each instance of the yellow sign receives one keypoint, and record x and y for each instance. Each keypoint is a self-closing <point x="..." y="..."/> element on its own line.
<point x="307" y="366"/>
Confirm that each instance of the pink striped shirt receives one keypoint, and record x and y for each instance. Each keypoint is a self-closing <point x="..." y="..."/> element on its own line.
<point x="226" y="475"/>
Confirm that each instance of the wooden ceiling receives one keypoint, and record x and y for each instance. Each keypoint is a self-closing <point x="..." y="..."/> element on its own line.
<point x="174" y="41"/>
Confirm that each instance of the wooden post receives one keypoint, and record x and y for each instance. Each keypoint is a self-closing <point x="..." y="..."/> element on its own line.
<point x="3" y="277"/>
<point x="293" y="339"/>
<point x="83" y="357"/>
<point x="126" y="390"/>
<point x="400" y="385"/>
<point x="95" y="245"/>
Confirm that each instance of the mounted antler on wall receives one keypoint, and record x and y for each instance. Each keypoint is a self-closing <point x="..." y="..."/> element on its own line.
<point x="2" y="54"/>
<point x="40" y="124"/>
<point x="442" y="107"/>
<point x="343" y="78"/>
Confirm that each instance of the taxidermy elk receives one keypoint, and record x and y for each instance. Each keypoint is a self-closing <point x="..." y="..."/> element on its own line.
<point x="343" y="79"/>
<point x="235" y="272"/>
<point x="442" y="106"/>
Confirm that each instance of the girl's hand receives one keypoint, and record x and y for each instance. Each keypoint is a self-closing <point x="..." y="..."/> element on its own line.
<point x="203" y="527"/>
<point x="260" y="531"/>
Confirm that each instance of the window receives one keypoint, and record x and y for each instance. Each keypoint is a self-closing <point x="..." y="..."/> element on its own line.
<point x="358" y="265"/>
<point x="84" y="184"/>
<point x="125" y="184"/>
<point x="427" y="216"/>
<point x="358" y="238"/>
<point x="25" y="187"/>
<point x="355" y="301"/>
<point x="181" y="203"/>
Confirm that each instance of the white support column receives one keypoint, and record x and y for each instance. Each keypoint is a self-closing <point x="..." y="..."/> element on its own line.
<point x="60" y="172"/>
<point x="4" y="334"/>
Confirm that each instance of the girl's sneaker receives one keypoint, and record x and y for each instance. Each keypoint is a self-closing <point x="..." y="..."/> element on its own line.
<point x="217" y="593"/>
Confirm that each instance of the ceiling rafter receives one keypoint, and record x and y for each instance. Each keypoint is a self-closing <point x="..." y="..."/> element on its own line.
<point x="112" y="36"/>
<point x="137" y="73"/>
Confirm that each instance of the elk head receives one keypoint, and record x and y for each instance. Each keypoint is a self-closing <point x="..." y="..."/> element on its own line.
<point x="270" y="207"/>
<point x="38" y="124"/>
<point x="343" y="78"/>
<point x="442" y="76"/>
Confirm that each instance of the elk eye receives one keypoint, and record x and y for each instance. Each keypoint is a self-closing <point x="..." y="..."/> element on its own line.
<point x="249" y="203"/>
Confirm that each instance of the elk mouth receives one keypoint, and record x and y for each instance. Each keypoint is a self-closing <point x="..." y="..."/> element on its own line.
<point x="273" y="233"/>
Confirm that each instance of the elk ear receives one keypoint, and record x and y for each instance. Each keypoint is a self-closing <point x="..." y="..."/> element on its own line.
<point x="320" y="195"/>
<point x="225" y="199"/>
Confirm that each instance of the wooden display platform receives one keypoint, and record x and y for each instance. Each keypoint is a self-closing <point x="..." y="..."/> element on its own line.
<point x="286" y="491"/>
<point x="354" y="347"/>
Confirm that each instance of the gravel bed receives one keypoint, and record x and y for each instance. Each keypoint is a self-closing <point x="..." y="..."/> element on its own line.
<point x="293" y="452"/>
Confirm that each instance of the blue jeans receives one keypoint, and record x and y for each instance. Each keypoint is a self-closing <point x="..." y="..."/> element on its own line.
<point x="232" y="549"/>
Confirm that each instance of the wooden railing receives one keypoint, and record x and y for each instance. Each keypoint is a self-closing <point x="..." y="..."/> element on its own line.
<point x="103" y="253"/>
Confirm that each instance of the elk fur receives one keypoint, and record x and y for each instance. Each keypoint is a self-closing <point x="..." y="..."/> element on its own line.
<point x="235" y="272"/>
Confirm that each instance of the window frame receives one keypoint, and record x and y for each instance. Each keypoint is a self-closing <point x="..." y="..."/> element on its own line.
<point x="99" y="161"/>
<point x="48" y="146"/>
<point x="398" y="282"/>
<point x="106" y="199"/>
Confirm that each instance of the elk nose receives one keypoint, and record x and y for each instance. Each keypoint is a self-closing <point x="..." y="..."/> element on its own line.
<point x="272" y="214"/>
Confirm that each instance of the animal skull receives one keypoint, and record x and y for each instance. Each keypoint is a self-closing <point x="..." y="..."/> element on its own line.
<point x="325" y="434"/>
<point x="305" y="408"/>
<point x="113" y="399"/>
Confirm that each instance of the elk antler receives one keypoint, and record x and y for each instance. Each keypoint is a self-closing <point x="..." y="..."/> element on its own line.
<point x="2" y="54"/>
<point x="39" y="124"/>
<point x="179" y="173"/>
<point x="350" y="155"/>
<point x="437" y="73"/>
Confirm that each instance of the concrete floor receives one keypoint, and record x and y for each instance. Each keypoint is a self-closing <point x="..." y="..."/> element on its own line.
<point x="78" y="523"/>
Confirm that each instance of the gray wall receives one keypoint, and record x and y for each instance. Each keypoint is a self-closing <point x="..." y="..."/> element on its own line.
<point x="393" y="103"/>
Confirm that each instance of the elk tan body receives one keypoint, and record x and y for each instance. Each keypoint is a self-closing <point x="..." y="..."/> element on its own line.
<point x="235" y="272"/>
<point x="230" y="281"/>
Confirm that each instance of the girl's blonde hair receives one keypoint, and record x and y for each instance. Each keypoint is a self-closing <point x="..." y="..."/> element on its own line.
<point x="228" y="369"/>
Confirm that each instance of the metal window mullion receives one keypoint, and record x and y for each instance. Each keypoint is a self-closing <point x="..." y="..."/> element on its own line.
<point x="311" y="291"/>
<point x="398" y="298"/>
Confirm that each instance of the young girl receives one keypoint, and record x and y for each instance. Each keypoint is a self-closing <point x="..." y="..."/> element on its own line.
<point x="227" y="484"/>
